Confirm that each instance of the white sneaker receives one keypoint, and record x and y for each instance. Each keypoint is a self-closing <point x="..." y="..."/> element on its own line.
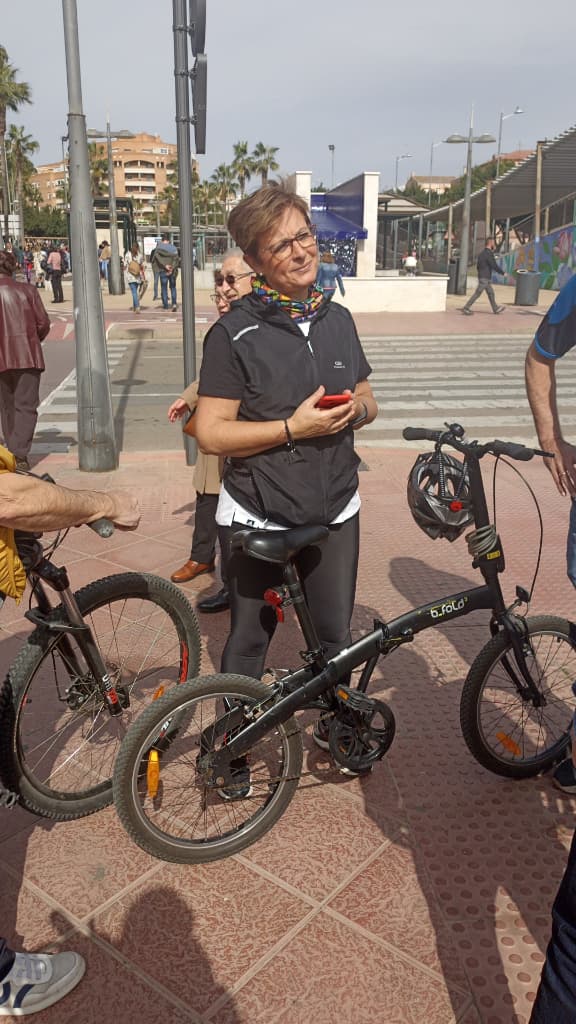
<point x="38" y="980"/>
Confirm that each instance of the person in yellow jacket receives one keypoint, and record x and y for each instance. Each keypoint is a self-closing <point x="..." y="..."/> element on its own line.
<point x="31" y="982"/>
<point x="231" y="282"/>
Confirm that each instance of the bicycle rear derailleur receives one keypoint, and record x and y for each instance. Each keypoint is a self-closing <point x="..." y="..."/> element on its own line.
<point x="361" y="731"/>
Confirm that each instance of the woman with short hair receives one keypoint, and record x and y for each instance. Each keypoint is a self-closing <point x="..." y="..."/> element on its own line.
<point x="267" y="364"/>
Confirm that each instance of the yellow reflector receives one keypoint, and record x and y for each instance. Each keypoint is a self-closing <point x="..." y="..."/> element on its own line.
<point x="508" y="743"/>
<point x="158" y="693"/>
<point x="153" y="774"/>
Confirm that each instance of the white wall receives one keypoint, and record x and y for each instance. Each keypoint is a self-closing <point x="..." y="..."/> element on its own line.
<point x="394" y="294"/>
<point x="366" y="249"/>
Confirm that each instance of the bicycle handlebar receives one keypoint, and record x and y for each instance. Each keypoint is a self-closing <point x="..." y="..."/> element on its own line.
<point x="520" y="452"/>
<point x="103" y="527"/>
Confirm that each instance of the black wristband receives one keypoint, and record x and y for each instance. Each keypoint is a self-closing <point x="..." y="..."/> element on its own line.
<point x="289" y="439"/>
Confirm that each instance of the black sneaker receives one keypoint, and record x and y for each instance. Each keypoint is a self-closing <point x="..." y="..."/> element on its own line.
<point x="241" y="788"/>
<point x="564" y="777"/>
<point x="321" y="731"/>
<point x="467" y="312"/>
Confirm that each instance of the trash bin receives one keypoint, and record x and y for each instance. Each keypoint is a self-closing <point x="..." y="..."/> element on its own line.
<point x="453" y="276"/>
<point x="527" y="288"/>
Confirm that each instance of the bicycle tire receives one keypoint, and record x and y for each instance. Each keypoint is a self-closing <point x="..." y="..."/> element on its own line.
<point x="146" y="819"/>
<point x="542" y="736"/>
<point x="32" y="765"/>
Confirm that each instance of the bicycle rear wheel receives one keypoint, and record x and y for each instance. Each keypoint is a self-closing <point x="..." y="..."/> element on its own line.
<point x="503" y="730"/>
<point x="162" y="798"/>
<point x="58" y="742"/>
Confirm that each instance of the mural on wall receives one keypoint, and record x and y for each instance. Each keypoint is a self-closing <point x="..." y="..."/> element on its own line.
<point x="556" y="263"/>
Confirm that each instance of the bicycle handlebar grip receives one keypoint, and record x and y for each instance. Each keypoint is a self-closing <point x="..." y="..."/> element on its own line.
<point x="514" y="451"/>
<point x="103" y="527"/>
<point x="420" y="434"/>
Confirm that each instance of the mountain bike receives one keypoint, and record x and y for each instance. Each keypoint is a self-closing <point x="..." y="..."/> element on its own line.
<point x="209" y="768"/>
<point x="90" y="666"/>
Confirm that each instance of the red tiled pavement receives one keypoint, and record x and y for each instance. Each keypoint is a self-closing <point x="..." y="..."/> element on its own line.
<point x="419" y="895"/>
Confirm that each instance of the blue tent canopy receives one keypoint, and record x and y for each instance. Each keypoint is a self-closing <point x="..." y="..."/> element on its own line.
<point x="330" y="225"/>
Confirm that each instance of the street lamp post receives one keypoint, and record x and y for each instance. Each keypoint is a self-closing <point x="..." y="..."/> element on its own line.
<point x="96" y="441"/>
<point x="403" y="156"/>
<point x="115" y="278"/>
<point x="332" y="148"/>
<point x="469" y="141"/>
<point x="504" y="117"/>
<point x="432" y="148"/>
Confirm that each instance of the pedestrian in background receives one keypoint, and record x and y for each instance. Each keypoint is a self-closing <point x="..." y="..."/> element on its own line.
<point x="329" y="275"/>
<point x="134" y="267"/>
<point x="486" y="266"/>
<point x="166" y="261"/>
<point x="104" y="254"/>
<point x="232" y="281"/>
<point x="56" y="266"/>
<point x="24" y="323"/>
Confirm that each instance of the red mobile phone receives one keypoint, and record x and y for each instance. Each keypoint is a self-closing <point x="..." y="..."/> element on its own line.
<point x="329" y="401"/>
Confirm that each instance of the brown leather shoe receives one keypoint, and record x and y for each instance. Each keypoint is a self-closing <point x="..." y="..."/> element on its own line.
<point x="190" y="570"/>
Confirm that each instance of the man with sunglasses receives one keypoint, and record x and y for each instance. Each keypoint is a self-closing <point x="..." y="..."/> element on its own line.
<point x="232" y="281"/>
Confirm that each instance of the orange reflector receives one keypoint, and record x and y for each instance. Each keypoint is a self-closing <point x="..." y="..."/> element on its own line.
<point x="158" y="692"/>
<point x="153" y="774"/>
<point x="508" y="743"/>
<point x="342" y="694"/>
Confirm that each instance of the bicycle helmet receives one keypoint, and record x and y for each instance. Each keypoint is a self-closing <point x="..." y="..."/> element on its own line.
<point x="439" y="495"/>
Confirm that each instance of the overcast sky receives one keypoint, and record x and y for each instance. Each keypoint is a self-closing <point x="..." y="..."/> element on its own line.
<point x="374" y="79"/>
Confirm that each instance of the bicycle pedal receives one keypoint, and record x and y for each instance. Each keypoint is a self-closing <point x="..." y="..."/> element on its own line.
<point x="355" y="699"/>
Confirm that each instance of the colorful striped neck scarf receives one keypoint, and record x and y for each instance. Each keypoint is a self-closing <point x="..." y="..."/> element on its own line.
<point x="298" y="310"/>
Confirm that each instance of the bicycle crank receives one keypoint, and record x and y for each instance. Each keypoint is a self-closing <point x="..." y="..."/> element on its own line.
<point x="361" y="731"/>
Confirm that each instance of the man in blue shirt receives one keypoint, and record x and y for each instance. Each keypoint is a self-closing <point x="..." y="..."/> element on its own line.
<point x="556" y="335"/>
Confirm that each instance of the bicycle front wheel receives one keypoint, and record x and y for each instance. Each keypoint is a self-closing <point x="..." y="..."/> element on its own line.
<point x="503" y="729"/>
<point x="160" y="794"/>
<point x="58" y="741"/>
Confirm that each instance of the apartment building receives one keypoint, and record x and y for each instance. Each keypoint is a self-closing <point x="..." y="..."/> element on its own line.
<point x="141" y="171"/>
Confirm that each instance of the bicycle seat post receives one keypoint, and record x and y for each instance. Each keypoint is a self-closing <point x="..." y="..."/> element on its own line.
<point x="314" y="652"/>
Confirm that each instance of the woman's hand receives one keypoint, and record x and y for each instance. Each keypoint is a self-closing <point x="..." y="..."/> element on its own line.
<point x="310" y="421"/>
<point x="177" y="410"/>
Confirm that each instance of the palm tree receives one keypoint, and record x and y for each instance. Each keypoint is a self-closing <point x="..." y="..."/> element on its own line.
<point x="12" y="95"/>
<point x="21" y="146"/>
<point x="226" y="184"/>
<point x="264" y="160"/>
<point x="171" y="199"/>
<point x="242" y="165"/>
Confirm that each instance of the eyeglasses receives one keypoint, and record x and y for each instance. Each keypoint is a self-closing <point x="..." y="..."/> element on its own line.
<point x="230" y="279"/>
<point x="285" y="248"/>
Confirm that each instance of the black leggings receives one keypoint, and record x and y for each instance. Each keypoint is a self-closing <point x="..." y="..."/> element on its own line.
<point x="328" y="572"/>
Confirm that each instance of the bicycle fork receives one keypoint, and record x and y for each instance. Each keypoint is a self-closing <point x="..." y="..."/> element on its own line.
<point x="56" y="577"/>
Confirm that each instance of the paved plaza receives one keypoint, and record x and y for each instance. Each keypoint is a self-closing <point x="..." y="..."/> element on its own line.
<point x="418" y="895"/>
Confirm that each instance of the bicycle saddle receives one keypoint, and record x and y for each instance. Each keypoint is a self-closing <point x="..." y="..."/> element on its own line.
<point x="277" y="545"/>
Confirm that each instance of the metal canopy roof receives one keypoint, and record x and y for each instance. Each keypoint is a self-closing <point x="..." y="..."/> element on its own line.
<point x="514" y="193"/>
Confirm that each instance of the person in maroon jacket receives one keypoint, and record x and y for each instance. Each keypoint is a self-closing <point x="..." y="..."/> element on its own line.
<point x="24" y="323"/>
